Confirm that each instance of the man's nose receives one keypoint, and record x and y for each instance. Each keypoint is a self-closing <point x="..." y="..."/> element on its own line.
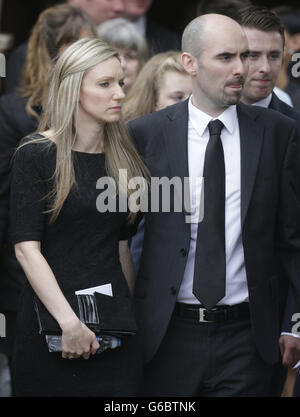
<point x="264" y="64"/>
<point x="241" y="67"/>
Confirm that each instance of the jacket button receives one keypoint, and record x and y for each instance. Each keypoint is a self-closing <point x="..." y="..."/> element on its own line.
<point x="183" y="252"/>
<point x="173" y="290"/>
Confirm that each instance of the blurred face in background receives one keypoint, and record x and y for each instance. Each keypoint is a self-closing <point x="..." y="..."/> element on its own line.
<point x="100" y="10"/>
<point x="173" y="88"/>
<point x="136" y="8"/>
<point x="130" y="65"/>
<point x="265" y="60"/>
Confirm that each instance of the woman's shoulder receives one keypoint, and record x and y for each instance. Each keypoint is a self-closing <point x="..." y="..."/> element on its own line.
<point x="35" y="146"/>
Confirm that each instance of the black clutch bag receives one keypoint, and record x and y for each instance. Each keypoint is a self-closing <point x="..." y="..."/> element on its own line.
<point x="103" y="314"/>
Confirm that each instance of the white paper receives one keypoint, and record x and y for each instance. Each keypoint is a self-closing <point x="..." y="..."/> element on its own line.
<point x="102" y="289"/>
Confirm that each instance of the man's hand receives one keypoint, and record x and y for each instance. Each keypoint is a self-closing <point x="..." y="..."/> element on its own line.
<point x="290" y="350"/>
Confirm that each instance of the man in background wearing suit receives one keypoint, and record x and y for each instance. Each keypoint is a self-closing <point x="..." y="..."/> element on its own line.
<point x="265" y="34"/>
<point x="159" y="38"/>
<point x="207" y="293"/>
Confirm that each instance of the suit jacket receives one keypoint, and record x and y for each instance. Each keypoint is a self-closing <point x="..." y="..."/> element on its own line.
<point x="161" y="39"/>
<point x="15" y="63"/>
<point x="270" y="214"/>
<point x="287" y="297"/>
<point x="282" y="107"/>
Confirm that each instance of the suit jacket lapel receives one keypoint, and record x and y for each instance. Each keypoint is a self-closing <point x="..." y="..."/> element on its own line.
<point x="274" y="103"/>
<point x="251" y="139"/>
<point x="175" y="137"/>
<point x="176" y="143"/>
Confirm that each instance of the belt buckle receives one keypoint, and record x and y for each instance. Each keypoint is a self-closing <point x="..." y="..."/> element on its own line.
<point x="201" y="316"/>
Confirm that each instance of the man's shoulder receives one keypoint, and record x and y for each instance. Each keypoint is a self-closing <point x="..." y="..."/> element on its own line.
<point x="282" y="107"/>
<point x="158" y="118"/>
<point x="265" y="116"/>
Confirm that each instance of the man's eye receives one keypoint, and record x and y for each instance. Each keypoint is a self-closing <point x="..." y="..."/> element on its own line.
<point x="178" y="98"/>
<point x="275" y="56"/>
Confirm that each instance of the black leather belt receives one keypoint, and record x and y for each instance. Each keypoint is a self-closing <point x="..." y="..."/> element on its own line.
<point x="215" y="315"/>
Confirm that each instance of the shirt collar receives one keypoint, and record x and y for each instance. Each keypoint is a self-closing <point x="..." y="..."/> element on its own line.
<point x="265" y="102"/>
<point x="200" y="120"/>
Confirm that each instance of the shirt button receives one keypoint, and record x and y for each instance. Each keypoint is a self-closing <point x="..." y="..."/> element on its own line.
<point x="183" y="252"/>
<point x="173" y="290"/>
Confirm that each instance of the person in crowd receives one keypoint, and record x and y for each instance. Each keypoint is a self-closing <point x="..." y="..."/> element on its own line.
<point x="159" y="38"/>
<point x="208" y="307"/>
<point x="265" y="34"/>
<point x="130" y="45"/>
<point x="63" y="241"/>
<point x="288" y="79"/>
<point x="98" y="11"/>
<point x="19" y="116"/>
<point x="162" y="82"/>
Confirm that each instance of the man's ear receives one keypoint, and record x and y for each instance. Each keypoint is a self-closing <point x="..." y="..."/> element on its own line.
<point x="189" y="63"/>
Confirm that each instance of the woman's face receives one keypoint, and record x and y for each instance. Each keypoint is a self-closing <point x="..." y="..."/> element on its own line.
<point x="130" y="65"/>
<point x="101" y="93"/>
<point x="174" y="87"/>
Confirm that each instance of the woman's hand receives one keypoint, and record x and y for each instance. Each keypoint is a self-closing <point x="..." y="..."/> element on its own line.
<point x="78" y="340"/>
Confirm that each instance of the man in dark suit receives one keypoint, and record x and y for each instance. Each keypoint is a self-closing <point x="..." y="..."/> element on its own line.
<point x="207" y="293"/>
<point x="159" y="38"/>
<point x="265" y="34"/>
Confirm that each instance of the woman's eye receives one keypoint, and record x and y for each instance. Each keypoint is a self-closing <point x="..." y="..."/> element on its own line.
<point x="121" y="83"/>
<point x="104" y="84"/>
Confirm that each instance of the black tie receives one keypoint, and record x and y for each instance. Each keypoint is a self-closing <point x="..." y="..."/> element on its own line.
<point x="210" y="261"/>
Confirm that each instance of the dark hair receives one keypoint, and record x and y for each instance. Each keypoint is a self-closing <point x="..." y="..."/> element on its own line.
<point x="225" y="7"/>
<point x="260" y="18"/>
<point x="290" y="17"/>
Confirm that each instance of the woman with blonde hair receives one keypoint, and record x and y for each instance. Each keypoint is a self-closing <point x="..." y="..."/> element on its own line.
<point x="162" y="81"/>
<point x="63" y="239"/>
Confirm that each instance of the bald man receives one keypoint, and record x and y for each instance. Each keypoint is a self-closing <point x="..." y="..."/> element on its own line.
<point x="207" y="291"/>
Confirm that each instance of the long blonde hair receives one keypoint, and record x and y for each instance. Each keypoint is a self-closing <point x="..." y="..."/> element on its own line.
<point x="55" y="27"/>
<point x="60" y="116"/>
<point x="143" y="95"/>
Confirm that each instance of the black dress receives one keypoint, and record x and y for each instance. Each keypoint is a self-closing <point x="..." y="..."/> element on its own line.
<point x="81" y="247"/>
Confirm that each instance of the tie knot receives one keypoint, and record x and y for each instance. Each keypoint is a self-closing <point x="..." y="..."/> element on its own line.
<point x="215" y="127"/>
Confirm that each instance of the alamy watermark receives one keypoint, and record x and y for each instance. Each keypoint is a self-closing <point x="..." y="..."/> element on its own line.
<point x="2" y="325"/>
<point x="296" y="67"/>
<point x="162" y="195"/>
<point x="296" y="326"/>
<point x="2" y="65"/>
